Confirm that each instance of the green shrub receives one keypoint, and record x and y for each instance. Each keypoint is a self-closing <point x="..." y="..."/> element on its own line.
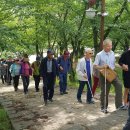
<point x="4" y="120"/>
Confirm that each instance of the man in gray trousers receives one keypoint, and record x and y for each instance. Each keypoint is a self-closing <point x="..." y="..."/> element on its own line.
<point x="105" y="59"/>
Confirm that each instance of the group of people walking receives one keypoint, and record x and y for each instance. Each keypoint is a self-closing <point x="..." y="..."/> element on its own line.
<point x="105" y="59"/>
<point x="49" y="67"/>
<point x="13" y="69"/>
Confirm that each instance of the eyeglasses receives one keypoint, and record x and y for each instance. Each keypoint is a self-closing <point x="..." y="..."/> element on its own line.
<point x="90" y="53"/>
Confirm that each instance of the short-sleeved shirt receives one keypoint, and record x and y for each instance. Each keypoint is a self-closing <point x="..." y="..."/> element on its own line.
<point x="103" y="58"/>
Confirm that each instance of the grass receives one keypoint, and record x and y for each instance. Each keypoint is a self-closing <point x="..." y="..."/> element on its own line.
<point x="4" y="120"/>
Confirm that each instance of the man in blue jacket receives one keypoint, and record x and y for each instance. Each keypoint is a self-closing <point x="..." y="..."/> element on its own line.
<point x="64" y="67"/>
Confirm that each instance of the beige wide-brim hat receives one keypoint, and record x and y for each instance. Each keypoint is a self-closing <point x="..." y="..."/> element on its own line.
<point x="26" y="59"/>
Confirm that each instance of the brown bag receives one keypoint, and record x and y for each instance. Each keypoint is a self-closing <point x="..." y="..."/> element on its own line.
<point x="110" y="74"/>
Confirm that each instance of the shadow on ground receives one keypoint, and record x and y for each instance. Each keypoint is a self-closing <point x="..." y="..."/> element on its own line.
<point x="65" y="113"/>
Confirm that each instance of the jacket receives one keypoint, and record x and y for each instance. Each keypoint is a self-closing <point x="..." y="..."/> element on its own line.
<point x="2" y="69"/>
<point x="81" y="69"/>
<point x="65" y="64"/>
<point x="25" y="71"/>
<point x="36" y="65"/>
<point x="43" y="67"/>
<point x="15" y="69"/>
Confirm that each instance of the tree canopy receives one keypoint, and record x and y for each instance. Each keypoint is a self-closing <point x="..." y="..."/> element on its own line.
<point x="34" y="25"/>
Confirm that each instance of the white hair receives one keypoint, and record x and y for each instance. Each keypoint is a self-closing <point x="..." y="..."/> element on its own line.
<point x="107" y="41"/>
<point x="88" y="49"/>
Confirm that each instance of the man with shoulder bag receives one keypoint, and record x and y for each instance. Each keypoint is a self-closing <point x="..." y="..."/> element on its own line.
<point x="105" y="61"/>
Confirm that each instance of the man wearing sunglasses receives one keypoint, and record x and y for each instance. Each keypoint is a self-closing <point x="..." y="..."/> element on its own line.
<point x="84" y="74"/>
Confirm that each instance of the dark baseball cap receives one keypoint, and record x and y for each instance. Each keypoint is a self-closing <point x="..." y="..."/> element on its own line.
<point x="49" y="51"/>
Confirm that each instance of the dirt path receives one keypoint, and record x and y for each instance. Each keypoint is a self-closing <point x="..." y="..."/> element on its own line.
<point x="65" y="113"/>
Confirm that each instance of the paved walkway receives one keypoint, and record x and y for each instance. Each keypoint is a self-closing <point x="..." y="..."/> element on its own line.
<point x="29" y="112"/>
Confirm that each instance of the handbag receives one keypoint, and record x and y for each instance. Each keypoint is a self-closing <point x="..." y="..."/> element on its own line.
<point x="110" y="74"/>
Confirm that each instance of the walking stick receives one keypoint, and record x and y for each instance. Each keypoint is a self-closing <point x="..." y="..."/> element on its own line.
<point x="105" y="101"/>
<point x="90" y="88"/>
<point x="89" y="85"/>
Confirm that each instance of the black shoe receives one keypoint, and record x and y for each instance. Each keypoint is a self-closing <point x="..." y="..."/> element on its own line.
<point x="65" y="92"/>
<point x="51" y="100"/>
<point x="104" y="110"/>
<point x="16" y="89"/>
<point x="79" y="100"/>
<point x="90" y="102"/>
<point x="37" y="90"/>
<point x="45" y="102"/>
<point x="61" y="93"/>
<point x="25" y="93"/>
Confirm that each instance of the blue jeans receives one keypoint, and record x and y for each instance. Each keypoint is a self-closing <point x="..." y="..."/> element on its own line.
<point x="63" y="82"/>
<point x="89" y="88"/>
<point x="25" y="80"/>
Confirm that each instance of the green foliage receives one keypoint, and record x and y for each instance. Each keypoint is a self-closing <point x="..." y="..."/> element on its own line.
<point x="4" y="120"/>
<point x="59" y="24"/>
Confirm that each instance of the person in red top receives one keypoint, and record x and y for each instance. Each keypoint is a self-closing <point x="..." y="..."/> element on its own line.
<point x="26" y="71"/>
<point x="95" y="80"/>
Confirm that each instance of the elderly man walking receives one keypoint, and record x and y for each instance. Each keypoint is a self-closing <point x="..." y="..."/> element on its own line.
<point x="49" y="71"/>
<point x="64" y="67"/>
<point x="84" y="73"/>
<point x="103" y="60"/>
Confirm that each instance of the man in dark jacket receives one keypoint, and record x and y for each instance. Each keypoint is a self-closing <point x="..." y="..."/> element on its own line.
<point x="48" y="70"/>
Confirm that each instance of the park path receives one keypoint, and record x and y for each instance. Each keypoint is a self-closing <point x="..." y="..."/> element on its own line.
<point x="65" y="113"/>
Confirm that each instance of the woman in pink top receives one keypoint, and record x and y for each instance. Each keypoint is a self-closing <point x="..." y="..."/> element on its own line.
<point x="26" y="71"/>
